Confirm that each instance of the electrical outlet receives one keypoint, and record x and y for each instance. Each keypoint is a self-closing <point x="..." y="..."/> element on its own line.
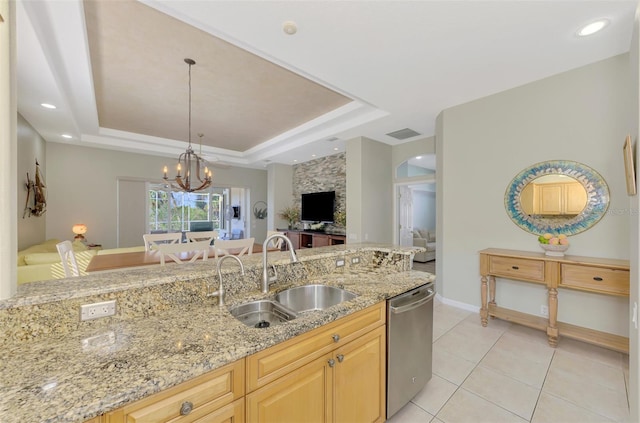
<point x="97" y="310"/>
<point x="355" y="260"/>
<point x="340" y="263"/>
<point x="98" y="341"/>
<point x="544" y="310"/>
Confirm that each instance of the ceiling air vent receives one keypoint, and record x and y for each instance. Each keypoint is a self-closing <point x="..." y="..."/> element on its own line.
<point x="403" y="134"/>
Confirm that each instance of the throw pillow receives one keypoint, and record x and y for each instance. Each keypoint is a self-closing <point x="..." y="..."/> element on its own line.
<point x="41" y="258"/>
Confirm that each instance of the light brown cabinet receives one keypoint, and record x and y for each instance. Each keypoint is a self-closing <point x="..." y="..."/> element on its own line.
<point x="334" y="373"/>
<point x="299" y="396"/>
<point x="346" y="385"/>
<point x="600" y="276"/>
<point x="216" y="396"/>
<point x="554" y="198"/>
<point x="360" y="379"/>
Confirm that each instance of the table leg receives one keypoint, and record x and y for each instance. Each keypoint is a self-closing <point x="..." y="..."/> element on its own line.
<point x="492" y="290"/>
<point x="484" y="310"/>
<point x="552" y="329"/>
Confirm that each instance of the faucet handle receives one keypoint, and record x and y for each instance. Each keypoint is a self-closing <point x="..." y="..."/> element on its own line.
<point x="273" y="278"/>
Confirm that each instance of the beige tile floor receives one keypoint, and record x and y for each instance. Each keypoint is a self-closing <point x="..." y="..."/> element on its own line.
<point x="508" y="373"/>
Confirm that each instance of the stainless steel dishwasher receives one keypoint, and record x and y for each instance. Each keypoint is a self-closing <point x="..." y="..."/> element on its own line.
<point x="409" y="345"/>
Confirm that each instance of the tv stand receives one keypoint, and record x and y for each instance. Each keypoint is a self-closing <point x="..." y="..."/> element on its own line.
<point x="311" y="239"/>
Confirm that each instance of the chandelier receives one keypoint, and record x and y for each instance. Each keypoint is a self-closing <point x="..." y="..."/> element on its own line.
<point x="189" y="162"/>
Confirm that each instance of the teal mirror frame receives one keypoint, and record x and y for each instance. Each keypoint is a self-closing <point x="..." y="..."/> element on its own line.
<point x="594" y="184"/>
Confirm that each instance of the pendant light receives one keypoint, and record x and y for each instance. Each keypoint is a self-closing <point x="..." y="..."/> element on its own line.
<point x="188" y="177"/>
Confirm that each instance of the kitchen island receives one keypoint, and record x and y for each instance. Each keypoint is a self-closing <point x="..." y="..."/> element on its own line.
<point x="167" y="331"/>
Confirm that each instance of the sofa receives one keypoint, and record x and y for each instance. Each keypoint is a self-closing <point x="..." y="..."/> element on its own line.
<point x="42" y="261"/>
<point x="425" y="238"/>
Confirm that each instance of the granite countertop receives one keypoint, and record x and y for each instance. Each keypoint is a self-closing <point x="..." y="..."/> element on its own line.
<point x="82" y="374"/>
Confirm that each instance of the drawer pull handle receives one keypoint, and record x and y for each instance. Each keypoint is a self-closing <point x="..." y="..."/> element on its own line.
<point x="336" y="337"/>
<point x="515" y="267"/>
<point x="340" y="358"/>
<point x="186" y="408"/>
<point x="331" y="362"/>
<point x="597" y="278"/>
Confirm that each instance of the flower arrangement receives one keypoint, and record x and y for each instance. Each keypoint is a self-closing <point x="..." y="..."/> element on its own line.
<point x="554" y="245"/>
<point x="291" y="214"/>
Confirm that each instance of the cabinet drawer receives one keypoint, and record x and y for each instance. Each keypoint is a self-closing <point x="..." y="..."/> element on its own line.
<point x="596" y="279"/>
<point x="268" y="365"/>
<point x="517" y="268"/>
<point x="202" y="395"/>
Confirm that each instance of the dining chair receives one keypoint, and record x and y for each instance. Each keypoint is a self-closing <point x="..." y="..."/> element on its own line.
<point x="192" y="251"/>
<point x="222" y="246"/>
<point x="202" y="235"/>
<point x="275" y="243"/>
<point x="68" y="257"/>
<point x="151" y="241"/>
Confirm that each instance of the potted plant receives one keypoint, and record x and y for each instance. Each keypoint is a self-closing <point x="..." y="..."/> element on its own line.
<point x="291" y="214"/>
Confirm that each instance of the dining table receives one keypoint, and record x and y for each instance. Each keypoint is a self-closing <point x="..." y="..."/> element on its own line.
<point x="102" y="262"/>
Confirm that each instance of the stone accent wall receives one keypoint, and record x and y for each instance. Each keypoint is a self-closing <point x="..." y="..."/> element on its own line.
<point x="323" y="174"/>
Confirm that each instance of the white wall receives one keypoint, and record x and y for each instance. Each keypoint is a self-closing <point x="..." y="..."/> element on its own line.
<point x="82" y="188"/>
<point x="280" y="194"/>
<point x="132" y="212"/>
<point x="369" y="191"/>
<point x="580" y="115"/>
<point x="8" y="150"/>
<point x="634" y="204"/>
<point x="31" y="147"/>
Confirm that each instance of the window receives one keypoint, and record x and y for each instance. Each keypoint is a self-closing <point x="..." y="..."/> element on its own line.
<point x="174" y="211"/>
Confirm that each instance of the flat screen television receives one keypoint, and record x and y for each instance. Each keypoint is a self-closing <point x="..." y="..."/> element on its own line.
<point x="318" y="207"/>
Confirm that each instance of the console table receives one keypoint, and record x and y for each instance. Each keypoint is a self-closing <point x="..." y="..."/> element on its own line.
<point x="597" y="275"/>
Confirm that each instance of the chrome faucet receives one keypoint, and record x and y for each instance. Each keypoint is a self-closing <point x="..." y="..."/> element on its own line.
<point x="265" y="274"/>
<point x="220" y="292"/>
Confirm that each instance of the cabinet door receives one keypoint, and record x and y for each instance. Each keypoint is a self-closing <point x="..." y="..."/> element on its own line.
<point x="551" y="196"/>
<point x="295" y="239"/>
<point x="191" y="401"/>
<point x="305" y="395"/>
<point x="359" y="381"/>
<point x="576" y="198"/>
<point x="320" y="240"/>
<point x="231" y="413"/>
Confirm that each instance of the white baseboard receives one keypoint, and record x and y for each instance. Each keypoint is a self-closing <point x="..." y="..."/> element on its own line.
<point x="458" y="304"/>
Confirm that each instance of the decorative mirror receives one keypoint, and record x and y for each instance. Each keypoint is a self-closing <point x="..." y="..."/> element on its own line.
<point x="557" y="196"/>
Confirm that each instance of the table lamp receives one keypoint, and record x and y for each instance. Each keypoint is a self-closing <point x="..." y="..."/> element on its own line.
<point x="79" y="229"/>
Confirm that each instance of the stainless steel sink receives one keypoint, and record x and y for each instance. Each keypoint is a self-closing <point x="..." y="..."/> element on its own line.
<point x="261" y="313"/>
<point x="313" y="297"/>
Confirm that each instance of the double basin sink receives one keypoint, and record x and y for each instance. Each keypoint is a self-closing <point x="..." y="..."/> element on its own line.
<point x="287" y="304"/>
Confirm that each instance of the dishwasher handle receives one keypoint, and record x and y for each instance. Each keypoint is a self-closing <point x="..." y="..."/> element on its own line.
<point x="416" y="304"/>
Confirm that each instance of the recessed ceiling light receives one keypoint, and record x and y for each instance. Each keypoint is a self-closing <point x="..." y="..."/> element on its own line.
<point x="67" y="136"/>
<point x="295" y="160"/>
<point x="335" y="148"/>
<point x="592" y="27"/>
<point x="418" y="157"/>
<point x="313" y="155"/>
<point x="48" y="106"/>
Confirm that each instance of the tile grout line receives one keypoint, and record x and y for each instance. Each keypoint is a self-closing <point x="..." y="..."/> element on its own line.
<point x="474" y="367"/>
<point x="554" y="357"/>
<point x="535" y="407"/>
